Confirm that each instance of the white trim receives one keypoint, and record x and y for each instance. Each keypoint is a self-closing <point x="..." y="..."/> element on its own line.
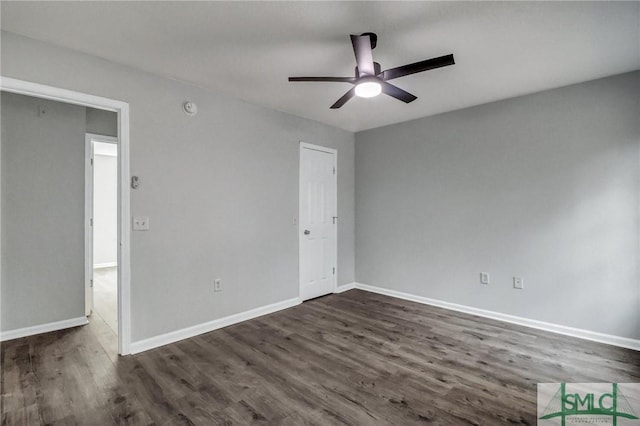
<point x="318" y="148"/>
<point x="124" y="232"/>
<point x="334" y="152"/>
<point x="609" y="339"/>
<point x="185" y="333"/>
<point x="105" y="265"/>
<point x="42" y="328"/>
<point x="124" y="214"/>
<point x="102" y="138"/>
<point x="88" y="231"/>
<point x="43" y="91"/>
<point x="345" y="287"/>
<point x="105" y="155"/>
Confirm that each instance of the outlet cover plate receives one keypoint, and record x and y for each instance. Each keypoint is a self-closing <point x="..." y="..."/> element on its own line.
<point x="140" y="223"/>
<point x="518" y="282"/>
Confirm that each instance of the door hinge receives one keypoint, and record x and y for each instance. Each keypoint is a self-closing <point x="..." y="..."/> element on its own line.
<point x="92" y="161"/>
<point x="91" y="222"/>
<point x="334" y="270"/>
<point x="91" y="283"/>
<point x="334" y="170"/>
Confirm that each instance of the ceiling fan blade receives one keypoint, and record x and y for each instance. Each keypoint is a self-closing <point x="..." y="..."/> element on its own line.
<point x="335" y="79"/>
<point x="397" y="92"/>
<point x="364" y="56"/>
<point x="426" y="65"/>
<point x="343" y="100"/>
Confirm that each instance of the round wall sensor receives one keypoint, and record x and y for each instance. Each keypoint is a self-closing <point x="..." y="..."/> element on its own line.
<point x="190" y="108"/>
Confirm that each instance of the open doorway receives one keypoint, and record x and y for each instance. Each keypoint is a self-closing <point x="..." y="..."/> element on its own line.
<point x="53" y="192"/>
<point x="101" y="239"/>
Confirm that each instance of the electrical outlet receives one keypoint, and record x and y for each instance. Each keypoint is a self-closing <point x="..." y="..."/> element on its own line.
<point x="140" y="223"/>
<point x="484" y="278"/>
<point x="217" y="284"/>
<point x="518" y="282"/>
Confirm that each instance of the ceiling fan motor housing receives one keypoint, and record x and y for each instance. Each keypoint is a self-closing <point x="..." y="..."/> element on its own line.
<point x="373" y="37"/>
<point x="376" y="67"/>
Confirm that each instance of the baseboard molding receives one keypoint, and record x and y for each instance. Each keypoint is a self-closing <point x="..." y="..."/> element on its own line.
<point x="185" y="333"/>
<point x="105" y="265"/>
<point x="42" y="328"/>
<point x="609" y="339"/>
<point x="345" y="287"/>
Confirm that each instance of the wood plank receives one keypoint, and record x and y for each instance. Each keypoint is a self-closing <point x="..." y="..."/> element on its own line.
<point x="353" y="358"/>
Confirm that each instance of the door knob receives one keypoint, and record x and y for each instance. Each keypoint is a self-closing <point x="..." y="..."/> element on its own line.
<point x="307" y="232"/>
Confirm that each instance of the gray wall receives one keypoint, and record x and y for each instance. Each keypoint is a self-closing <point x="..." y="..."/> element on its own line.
<point x="220" y="188"/>
<point x="544" y="186"/>
<point x="42" y="211"/>
<point x="102" y="122"/>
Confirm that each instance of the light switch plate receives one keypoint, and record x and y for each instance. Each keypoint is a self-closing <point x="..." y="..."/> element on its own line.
<point x="484" y="277"/>
<point x="140" y="223"/>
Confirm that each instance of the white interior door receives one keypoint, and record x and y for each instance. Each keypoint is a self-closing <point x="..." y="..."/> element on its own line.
<point x="318" y="221"/>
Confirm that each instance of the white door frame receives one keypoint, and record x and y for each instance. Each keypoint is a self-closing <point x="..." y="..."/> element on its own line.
<point x="89" y="138"/>
<point x="28" y="88"/>
<point x="304" y="145"/>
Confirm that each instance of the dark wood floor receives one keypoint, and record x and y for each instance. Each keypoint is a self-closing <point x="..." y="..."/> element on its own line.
<point x="353" y="358"/>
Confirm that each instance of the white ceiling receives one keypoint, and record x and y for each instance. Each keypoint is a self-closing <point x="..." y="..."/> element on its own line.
<point x="248" y="49"/>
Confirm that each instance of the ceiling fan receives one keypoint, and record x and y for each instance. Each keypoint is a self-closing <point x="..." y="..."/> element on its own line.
<point x="370" y="81"/>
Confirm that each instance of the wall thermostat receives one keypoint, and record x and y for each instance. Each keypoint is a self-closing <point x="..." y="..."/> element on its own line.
<point x="190" y="108"/>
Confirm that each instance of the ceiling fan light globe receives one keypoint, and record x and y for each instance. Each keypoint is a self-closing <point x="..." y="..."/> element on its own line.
<point x="368" y="89"/>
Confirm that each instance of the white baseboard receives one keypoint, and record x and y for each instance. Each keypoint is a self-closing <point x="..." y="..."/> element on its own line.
<point x="105" y="265"/>
<point x="609" y="339"/>
<point x="185" y="333"/>
<point x="42" y="328"/>
<point x="345" y="287"/>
